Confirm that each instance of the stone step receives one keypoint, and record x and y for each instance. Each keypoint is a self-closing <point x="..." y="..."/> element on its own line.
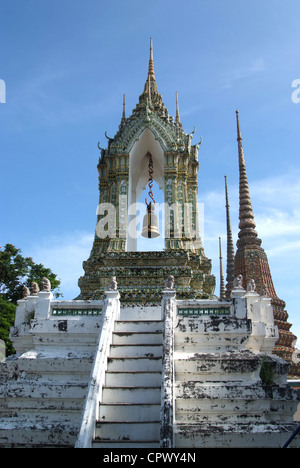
<point x="41" y="404"/>
<point x="211" y="334"/>
<point x="217" y="366"/>
<point x="241" y="435"/>
<point x="129" y="412"/>
<point x="137" y="338"/>
<point x="136" y="350"/>
<point x="218" y="390"/>
<point x="123" y="444"/>
<point x="37" y="432"/>
<point x="193" y="409"/>
<point x="125" y="430"/>
<point x="147" y="326"/>
<point x="229" y="411"/>
<point x="40" y="397"/>
<point x="37" y="363"/>
<point x="128" y="379"/>
<point x="232" y="411"/>
<point x="143" y="313"/>
<point x="226" y="417"/>
<point x="38" y="390"/>
<point x="131" y="395"/>
<point x="153" y="364"/>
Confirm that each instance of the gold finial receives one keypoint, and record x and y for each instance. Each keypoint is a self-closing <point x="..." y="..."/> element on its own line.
<point x="151" y="75"/>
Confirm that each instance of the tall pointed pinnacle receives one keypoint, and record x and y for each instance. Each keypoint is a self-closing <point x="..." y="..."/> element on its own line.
<point x="230" y="248"/>
<point x="251" y="261"/>
<point x="247" y="224"/>
<point x="151" y="86"/>
<point x="123" y="120"/>
<point x="123" y="115"/>
<point x="222" y="285"/>
<point x="151" y="74"/>
<point x="177" y="119"/>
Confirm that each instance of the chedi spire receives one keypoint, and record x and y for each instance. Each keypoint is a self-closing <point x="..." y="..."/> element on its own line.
<point x="251" y="260"/>
<point x="247" y="224"/>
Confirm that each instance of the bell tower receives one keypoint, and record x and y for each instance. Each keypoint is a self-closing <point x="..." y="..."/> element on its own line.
<point x="148" y="134"/>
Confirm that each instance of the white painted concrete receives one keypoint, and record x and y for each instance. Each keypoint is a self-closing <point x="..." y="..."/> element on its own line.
<point x="118" y="371"/>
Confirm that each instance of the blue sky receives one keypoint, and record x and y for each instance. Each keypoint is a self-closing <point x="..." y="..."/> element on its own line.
<point x="66" y="65"/>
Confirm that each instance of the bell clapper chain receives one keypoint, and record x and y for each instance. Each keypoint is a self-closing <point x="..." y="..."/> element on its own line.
<point x="150" y="180"/>
<point x="150" y="223"/>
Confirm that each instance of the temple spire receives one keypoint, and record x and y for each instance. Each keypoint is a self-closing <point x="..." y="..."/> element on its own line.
<point x="123" y="119"/>
<point x="177" y="120"/>
<point x="151" y="86"/>
<point x="247" y="224"/>
<point x="251" y="260"/>
<point x="222" y="285"/>
<point x="123" y="115"/>
<point x="230" y="247"/>
<point x="151" y="74"/>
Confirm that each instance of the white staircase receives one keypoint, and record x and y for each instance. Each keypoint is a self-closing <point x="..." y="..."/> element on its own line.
<point x="41" y="407"/>
<point x="129" y="413"/>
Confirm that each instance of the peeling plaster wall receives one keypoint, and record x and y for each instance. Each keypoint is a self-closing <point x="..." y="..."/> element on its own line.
<point x="43" y="386"/>
<point x="220" y="400"/>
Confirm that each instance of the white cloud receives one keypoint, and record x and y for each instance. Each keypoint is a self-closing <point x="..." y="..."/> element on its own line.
<point x="275" y="203"/>
<point x="277" y="223"/>
<point x="233" y="74"/>
<point x="64" y="256"/>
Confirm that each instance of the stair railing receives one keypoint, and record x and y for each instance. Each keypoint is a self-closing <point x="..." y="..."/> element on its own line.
<point x="167" y="383"/>
<point x="90" y="412"/>
<point x="295" y="433"/>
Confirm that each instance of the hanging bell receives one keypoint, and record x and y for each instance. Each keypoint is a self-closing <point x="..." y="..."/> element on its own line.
<point x="150" y="223"/>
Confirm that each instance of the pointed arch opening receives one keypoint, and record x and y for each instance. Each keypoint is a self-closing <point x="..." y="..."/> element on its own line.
<point x="138" y="180"/>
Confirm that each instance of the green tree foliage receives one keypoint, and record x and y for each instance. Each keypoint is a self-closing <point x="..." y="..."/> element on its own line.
<point x="266" y="372"/>
<point x="7" y="318"/>
<point x="16" y="272"/>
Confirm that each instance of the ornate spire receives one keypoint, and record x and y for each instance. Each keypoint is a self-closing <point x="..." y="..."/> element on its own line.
<point x="151" y="85"/>
<point x="177" y="120"/>
<point x="149" y="90"/>
<point x="251" y="260"/>
<point x="151" y="74"/>
<point x="123" y="120"/>
<point x="123" y="116"/>
<point x="247" y="224"/>
<point x="230" y="248"/>
<point x="222" y="285"/>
